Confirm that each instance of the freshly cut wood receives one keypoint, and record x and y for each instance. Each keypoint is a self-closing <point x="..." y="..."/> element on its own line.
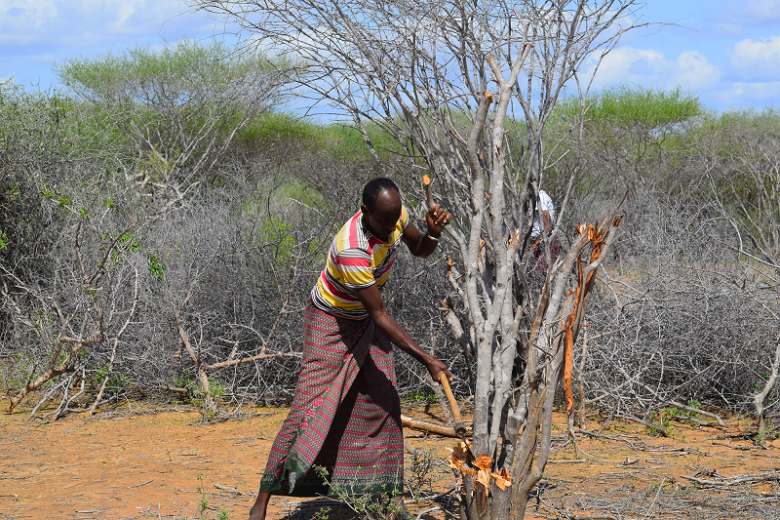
<point x="439" y="429"/>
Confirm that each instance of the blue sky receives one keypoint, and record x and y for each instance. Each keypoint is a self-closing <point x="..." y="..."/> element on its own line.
<point x="727" y="51"/>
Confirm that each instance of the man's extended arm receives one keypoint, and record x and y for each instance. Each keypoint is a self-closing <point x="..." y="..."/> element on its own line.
<point x="423" y="244"/>
<point x="372" y="302"/>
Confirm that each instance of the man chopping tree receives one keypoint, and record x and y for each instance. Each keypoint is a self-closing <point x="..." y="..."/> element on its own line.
<point x="346" y="413"/>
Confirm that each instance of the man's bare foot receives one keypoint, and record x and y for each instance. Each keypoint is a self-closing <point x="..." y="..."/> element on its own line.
<point x="259" y="508"/>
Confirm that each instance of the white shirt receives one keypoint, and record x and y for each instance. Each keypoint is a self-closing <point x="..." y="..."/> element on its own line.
<point x="545" y="203"/>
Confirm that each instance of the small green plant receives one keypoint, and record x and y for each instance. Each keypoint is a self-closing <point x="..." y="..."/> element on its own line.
<point x="223" y="514"/>
<point x="688" y="413"/>
<point x="207" y="406"/>
<point x="156" y="267"/>
<point x="766" y="434"/>
<point x="115" y="383"/>
<point x="420" y="397"/>
<point x="203" y="502"/>
<point x="322" y="513"/>
<point x="367" y="506"/>
<point x="61" y="201"/>
<point x="664" y="419"/>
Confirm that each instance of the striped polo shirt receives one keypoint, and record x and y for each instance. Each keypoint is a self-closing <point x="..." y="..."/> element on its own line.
<point x="357" y="259"/>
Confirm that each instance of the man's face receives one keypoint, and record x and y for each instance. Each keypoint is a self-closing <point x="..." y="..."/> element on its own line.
<point x="382" y="220"/>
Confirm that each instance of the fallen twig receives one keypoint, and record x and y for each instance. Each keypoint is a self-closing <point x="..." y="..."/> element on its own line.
<point x="229" y="489"/>
<point x="737" y="480"/>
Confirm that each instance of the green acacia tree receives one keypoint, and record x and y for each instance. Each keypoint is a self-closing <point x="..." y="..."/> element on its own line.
<point x="181" y="106"/>
<point x="630" y="134"/>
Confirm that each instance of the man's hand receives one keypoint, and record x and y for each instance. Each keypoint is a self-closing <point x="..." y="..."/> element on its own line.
<point x="423" y="244"/>
<point x="436" y="368"/>
<point x="437" y="219"/>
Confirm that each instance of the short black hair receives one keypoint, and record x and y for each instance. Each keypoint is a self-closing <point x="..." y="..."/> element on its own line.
<point x="372" y="190"/>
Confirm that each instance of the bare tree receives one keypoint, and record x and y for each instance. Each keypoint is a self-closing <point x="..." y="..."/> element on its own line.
<point x="88" y="305"/>
<point x="465" y="90"/>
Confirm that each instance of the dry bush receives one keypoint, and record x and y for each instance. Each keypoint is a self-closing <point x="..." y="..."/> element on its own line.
<point x="232" y="266"/>
<point x="679" y="320"/>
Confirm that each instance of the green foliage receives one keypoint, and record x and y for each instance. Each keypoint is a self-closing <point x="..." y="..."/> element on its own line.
<point x="348" y="141"/>
<point x="345" y="142"/>
<point x="16" y="377"/>
<point x="322" y="513"/>
<point x="275" y="230"/>
<point x="367" y="506"/>
<point x="182" y="105"/>
<point x="59" y="198"/>
<point x="140" y="75"/>
<point x="203" y="502"/>
<point x="41" y="128"/>
<point x="664" y="418"/>
<point x="187" y="382"/>
<point x="156" y="266"/>
<point x="630" y="131"/>
<point x="637" y="108"/>
<point x="745" y="141"/>
<point x="732" y="126"/>
<point x="279" y="127"/>
<point x="420" y="397"/>
<point x="206" y="405"/>
<point x="116" y="381"/>
<point x="766" y="434"/>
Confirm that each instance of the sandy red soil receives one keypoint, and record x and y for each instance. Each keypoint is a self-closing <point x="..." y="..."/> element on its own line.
<point x="146" y="465"/>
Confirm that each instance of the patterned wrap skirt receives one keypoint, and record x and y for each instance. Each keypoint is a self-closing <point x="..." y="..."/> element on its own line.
<point x="345" y="418"/>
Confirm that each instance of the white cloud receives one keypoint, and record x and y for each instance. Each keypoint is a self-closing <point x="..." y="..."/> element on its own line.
<point x="749" y="94"/>
<point x="756" y="59"/>
<point x="752" y="12"/>
<point x="650" y="68"/>
<point x="52" y="22"/>
<point x="692" y="71"/>
<point x="35" y="34"/>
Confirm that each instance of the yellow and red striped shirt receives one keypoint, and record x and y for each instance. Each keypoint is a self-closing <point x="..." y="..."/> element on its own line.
<point x="356" y="260"/>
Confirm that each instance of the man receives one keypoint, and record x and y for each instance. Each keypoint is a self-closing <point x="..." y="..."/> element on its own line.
<point x="536" y="272"/>
<point x="546" y="208"/>
<point x="346" y="414"/>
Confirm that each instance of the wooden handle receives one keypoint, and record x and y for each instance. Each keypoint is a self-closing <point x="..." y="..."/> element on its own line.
<point x="453" y="404"/>
<point x="428" y="194"/>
